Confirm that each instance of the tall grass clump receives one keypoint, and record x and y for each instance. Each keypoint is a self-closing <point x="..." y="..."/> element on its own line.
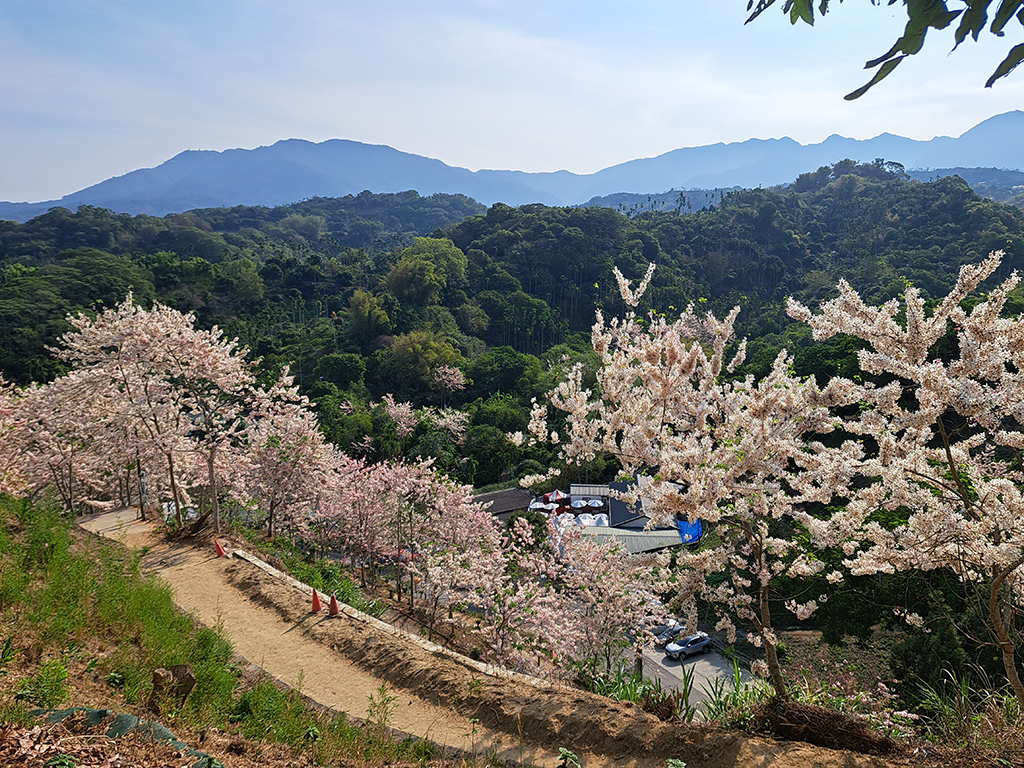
<point x="730" y="703"/>
<point x="267" y="712"/>
<point x="957" y="714"/>
<point x="623" y="685"/>
<point x="48" y="687"/>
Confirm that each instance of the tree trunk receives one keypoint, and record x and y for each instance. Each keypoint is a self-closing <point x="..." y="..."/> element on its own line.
<point x="142" y="487"/>
<point x="1002" y="629"/>
<point x="174" y="490"/>
<point x="214" y="502"/>
<point x="433" y="617"/>
<point x="770" y="656"/>
<point x="71" y="492"/>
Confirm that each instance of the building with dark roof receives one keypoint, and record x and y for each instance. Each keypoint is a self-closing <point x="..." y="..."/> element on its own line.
<point x="502" y="504"/>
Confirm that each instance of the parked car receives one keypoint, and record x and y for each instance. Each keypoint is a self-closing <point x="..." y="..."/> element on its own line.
<point x="667" y="635"/>
<point x="680" y="648"/>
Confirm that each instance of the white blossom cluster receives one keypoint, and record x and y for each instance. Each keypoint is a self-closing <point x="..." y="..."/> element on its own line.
<point x="758" y="460"/>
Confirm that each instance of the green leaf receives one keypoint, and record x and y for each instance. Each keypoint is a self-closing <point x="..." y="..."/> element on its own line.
<point x="883" y="71"/>
<point x="762" y="6"/>
<point x="1007" y="8"/>
<point x="972" y="22"/>
<point x="1013" y="58"/>
<point x="921" y="16"/>
<point x="801" y="9"/>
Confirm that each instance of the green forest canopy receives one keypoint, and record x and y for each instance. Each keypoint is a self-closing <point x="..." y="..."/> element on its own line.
<point x="371" y="294"/>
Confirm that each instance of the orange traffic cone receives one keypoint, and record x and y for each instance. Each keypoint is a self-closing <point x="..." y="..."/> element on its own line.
<point x="333" y="609"/>
<point x="316" y="603"/>
<point x="220" y="549"/>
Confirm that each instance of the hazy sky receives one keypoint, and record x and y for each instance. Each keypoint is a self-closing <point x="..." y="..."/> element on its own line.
<point x="95" y="89"/>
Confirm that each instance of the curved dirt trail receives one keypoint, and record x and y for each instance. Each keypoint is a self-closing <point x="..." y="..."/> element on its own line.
<point x="202" y="587"/>
<point x="341" y="662"/>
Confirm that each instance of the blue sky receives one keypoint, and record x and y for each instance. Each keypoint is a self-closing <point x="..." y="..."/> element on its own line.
<point x="90" y="90"/>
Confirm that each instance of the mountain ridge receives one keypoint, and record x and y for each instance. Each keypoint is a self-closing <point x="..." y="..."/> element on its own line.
<point x="291" y="170"/>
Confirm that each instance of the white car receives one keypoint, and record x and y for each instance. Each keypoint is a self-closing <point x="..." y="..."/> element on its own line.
<point x="687" y="646"/>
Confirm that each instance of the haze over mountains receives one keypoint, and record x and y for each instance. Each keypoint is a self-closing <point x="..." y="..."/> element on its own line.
<point x="295" y="169"/>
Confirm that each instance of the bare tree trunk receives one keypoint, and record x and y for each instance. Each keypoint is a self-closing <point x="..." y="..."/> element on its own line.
<point x="768" y="635"/>
<point x="71" y="492"/>
<point x="142" y="488"/>
<point x="433" y="618"/>
<point x="1002" y="626"/>
<point x="214" y="501"/>
<point x="174" y="490"/>
<point x="64" y="489"/>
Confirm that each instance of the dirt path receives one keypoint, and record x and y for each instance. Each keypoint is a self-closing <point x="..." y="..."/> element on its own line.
<point x="202" y="586"/>
<point x="341" y="662"/>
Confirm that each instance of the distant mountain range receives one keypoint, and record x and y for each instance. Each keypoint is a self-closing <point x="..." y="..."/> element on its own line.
<point x="294" y="170"/>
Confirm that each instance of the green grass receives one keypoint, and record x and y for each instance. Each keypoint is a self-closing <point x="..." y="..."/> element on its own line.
<point x="48" y="687"/>
<point x="323" y="574"/>
<point x="623" y="685"/>
<point x="59" y="596"/>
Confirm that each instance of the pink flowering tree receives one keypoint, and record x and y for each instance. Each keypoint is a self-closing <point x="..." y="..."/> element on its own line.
<point x="453" y="537"/>
<point x="556" y="602"/>
<point x="949" y="436"/>
<point x="609" y="590"/>
<point x="435" y="536"/>
<point x="525" y="620"/>
<point x="402" y="421"/>
<point x="216" y="387"/>
<point x="175" y="391"/>
<point x="445" y="380"/>
<point x="743" y="455"/>
<point x="12" y="461"/>
<point x="431" y="519"/>
<point x="288" y="462"/>
<point x="315" y="521"/>
<point x="66" y="440"/>
<point x="357" y="517"/>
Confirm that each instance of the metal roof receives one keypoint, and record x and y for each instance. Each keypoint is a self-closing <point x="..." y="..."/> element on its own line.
<point x="509" y="500"/>
<point x="636" y="542"/>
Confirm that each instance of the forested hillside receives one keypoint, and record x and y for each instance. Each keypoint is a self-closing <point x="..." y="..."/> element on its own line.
<point x="439" y="302"/>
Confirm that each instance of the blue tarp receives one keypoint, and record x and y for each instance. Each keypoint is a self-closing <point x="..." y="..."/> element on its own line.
<point x="689" y="532"/>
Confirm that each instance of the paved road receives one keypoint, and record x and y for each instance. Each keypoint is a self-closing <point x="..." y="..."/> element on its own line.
<point x="705" y="667"/>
